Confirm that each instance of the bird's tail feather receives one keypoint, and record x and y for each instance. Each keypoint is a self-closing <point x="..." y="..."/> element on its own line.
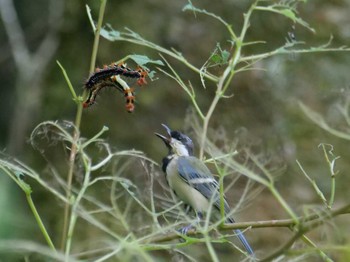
<point x="244" y="242"/>
<point x="242" y="238"/>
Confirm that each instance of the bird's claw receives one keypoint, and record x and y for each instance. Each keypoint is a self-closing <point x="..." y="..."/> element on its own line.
<point x="185" y="229"/>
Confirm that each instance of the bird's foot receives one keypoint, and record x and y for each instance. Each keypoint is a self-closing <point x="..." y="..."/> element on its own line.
<point x="185" y="229"/>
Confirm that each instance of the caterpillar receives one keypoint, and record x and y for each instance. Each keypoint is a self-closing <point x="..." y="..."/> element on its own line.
<point x="128" y="93"/>
<point x="143" y="73"/>
<point x="111" y="76"/>
<point x="95" y="89"/>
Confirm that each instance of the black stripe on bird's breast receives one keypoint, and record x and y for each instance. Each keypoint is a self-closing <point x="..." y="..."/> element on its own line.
<point x="165" y="162"/>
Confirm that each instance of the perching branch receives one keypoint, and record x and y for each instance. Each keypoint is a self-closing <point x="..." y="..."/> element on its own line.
<point x="306" y="223"/>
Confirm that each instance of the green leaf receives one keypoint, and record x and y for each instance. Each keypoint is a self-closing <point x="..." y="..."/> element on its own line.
<point x="287" y="12"/>
<point x="290" y="14"/>
<point x="216" y="58"/>
<point x="190" y="7"/>
<point x="225" y="56"/>
<point x="142" y="60"/>
<point x="110" y="34"/>
<point x="219" y="56"/>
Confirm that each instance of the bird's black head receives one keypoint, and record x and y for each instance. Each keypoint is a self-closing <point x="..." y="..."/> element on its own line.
<point x="177" y="142"/>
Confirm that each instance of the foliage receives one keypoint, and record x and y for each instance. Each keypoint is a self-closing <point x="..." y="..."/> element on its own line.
<point x="135" y="220"/>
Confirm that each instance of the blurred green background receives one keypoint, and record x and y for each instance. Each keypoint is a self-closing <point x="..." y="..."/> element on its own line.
<point x="264" y="104"/>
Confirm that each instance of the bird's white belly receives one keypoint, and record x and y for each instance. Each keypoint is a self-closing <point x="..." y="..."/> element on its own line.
<point x="184" y="191"/>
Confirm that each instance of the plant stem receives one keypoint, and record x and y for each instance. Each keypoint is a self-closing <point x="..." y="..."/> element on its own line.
<point x="27" y="190"/>
<point x="76" y="136"/>
<point x="211" y="250"/>
<point x="97" y="35"/>
<point x="331" y="199"/>
<point x="288" y="223"/>
<point x="75" y="98"/>
<point x="144" y="42"/>
<point x="283" y="203"/>
<point x="218" y="95"/>
<point x="312" y="244"/>
<point x="73" y="153"/>
<point x="226" y="77"/>
<point x="40" y="222"/>
<point x="74" y="215"/>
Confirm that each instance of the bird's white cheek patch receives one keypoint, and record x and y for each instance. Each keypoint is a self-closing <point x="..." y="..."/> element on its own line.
<point x="180" y="149"/>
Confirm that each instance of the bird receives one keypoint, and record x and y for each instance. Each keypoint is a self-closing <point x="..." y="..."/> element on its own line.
<point x="192" y="181"/>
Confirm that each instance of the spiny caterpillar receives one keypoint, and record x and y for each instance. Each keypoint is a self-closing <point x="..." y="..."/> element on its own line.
<point x="111" y="76"/>
<point x="128" y="92"/>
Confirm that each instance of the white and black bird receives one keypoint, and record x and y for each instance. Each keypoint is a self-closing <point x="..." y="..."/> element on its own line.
<point x="192" y="181"/>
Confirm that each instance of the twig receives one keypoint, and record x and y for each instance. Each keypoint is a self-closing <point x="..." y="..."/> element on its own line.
<point x="306" y="222"/>
<point x="78" y="117"/>
<point x="27" y="191"/>
<point x="226" y="77"/>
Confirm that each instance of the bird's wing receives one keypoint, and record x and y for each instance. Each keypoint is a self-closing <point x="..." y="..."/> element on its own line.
<point x="195" y="173"/>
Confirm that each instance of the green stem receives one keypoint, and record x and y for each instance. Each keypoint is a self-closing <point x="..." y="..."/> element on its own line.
<point x="163" y="50"/>
<point x="331" y="199"/>
<point x="40" y="222"/>
<point x="78" y="118"/>
<point x="287" y="223"/>
<point x="190" y="93"/>
<point x="222" y="84"/>
<point x="27" y="190"/>
<point x="74" y="215"/>
<point x="226" y="77"/>
<point x="285" y="51"/>
<point x="75" y="98"/>
<point x="222" y="199"/>
<point x="331" y="164"/>
<point x="97" y="35"/>
<point x="74" y="150"/>
<point x="309" y="242"/>
<point x="211" y="250"/>
<point x="284" y="204"/>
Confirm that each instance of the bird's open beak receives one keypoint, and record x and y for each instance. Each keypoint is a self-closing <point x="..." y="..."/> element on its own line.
<point x="165" y="139"/>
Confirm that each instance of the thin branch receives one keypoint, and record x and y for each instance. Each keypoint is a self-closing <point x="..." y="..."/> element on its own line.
<point x="74" y="148"/>
<point x="134" y="38"/>
<point x="305" y="222"/>
<point x="226" y="77"/>
<point x="285" y="51"/>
